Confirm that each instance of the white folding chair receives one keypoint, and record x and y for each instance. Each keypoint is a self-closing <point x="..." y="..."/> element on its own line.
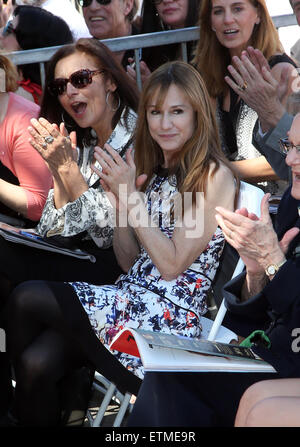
<point x="111" y="394"/>
<point x="249" y="197"/>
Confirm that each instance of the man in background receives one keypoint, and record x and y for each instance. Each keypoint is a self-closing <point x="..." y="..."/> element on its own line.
<point x="111" y="19"/>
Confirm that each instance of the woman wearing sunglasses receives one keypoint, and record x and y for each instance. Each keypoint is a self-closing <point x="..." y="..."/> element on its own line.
<point x="107" y="19"/>
<point x="163" y="15"/>
<point x="170" y="258"/>
<point x="30" y="28"/>
<point x="88" y="89"/>
<point x="91" y="92"/>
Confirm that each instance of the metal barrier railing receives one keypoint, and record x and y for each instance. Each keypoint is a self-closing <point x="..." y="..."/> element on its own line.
<point x="135" y="43"/>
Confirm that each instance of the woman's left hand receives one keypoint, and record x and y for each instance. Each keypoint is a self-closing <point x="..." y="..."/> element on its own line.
<point x="117" y="175"/>
<point x="56" y="146"/>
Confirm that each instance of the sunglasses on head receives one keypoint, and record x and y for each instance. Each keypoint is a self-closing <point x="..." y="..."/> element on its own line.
<point x="85" y="3"/>
<point x="8" y="29"/>
<point x="79" y="79"/>
<point x="286" y="145"/>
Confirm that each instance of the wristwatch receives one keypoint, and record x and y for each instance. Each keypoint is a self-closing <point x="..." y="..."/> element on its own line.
<point x="272" y="269"/>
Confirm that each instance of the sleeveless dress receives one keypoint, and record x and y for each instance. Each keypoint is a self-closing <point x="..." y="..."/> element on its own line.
<point x="142" y="298"/>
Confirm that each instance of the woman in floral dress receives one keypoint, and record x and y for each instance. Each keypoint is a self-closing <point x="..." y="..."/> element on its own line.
<point x="166" y="238"/>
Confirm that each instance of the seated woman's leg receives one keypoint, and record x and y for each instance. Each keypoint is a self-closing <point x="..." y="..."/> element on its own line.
<point x="249" y="406"/>
<point x="33" y="310"/>
<point x="38" y="372"/>
<point x="42" y="352"/>
<point x="275" y="412"/>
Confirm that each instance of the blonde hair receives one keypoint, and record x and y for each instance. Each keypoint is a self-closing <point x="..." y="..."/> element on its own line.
<point x="11" y="74"/>
<point x="194" y="159"/>
<point x="211" y="58"/>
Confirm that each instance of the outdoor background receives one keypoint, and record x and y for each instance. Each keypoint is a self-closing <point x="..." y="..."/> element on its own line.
<point x="288" y="35"/>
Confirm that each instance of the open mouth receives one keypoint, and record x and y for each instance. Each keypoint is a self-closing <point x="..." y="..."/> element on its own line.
<point x="230" y="31"/>
<point x="97" y="19"/>
<point x="79" y="107"/>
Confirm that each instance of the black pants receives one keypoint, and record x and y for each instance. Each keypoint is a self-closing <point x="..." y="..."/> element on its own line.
<point x="191" y="399"/>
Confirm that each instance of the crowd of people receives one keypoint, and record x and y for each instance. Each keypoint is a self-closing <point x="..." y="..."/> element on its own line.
<point x="147" y="182"/>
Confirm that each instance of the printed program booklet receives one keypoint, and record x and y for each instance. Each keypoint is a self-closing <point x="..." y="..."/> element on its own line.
<point x="31" y="238"/>
<point x="163" y="352"/>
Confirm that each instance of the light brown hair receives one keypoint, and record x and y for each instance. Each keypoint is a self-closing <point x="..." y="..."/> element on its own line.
<point x="11" y="74"/>
<point x="211" y="58"/>
<point x="194" y="159"/>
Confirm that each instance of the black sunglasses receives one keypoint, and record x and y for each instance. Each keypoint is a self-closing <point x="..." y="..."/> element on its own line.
<point x="79" y="79"/>
<point x="8" y="29"/>
<point x="286" y="145"/>
<point x="85" y="3"/>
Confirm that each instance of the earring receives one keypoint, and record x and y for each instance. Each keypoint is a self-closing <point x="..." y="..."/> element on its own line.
<point x="65" y="122"/>
<point x="107" y="102"/>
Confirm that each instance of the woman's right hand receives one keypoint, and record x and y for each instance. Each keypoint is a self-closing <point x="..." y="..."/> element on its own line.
<point x="59" y="153"/>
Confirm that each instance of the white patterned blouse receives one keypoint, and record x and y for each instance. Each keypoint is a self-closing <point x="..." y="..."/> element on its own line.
<point x="92" y="211"/>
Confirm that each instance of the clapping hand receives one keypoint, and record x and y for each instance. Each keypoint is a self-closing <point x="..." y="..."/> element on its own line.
<point x="54" y="144"/>
<point x="252" y="79"/>
<point x="254" y="238"/>
<point x="145" y="71"/>
<point x="118" y="176"/>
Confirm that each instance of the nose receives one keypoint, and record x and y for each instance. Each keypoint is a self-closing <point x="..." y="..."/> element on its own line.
<point x="166" y="122"/>
<point x="228" y="16"/>
<point x="293" y="157"/>
<point x="70" y="89"/>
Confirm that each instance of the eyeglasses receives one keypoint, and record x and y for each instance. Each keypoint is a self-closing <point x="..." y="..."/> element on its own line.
<point x="85" y="3"/>
<point x="79" y="79"/>
<point x="8" y="29"/>
<point x="286" y="145"/>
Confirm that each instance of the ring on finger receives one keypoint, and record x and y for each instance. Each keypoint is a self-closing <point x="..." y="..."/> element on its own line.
<point x="243" y="87"/>
<point x="49" y="139"/>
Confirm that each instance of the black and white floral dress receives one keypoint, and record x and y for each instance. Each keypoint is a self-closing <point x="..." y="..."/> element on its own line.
<point x="142" y="298"/>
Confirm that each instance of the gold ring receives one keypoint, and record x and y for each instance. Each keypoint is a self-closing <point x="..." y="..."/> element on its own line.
<point x="243" y="87"/>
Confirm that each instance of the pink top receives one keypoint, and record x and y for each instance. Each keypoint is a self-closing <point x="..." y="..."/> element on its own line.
<point x="17" y="154"/>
